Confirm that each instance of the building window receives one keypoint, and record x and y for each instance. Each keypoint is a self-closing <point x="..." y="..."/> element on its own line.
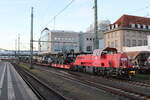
<point x="87" y="38"/>
<point x="55" y="38"/>
<point x="112" y="44"/>
<point x="140" y="34"/>
<point x="136" y="26"/>
<point x="139" y="42"/>
<point x="128" y="43"/>
<point x="145" y="42"/>
<point x="108" y="44"/>
<point x="116" y="43"/>
<point x="116" y="33"/>
<point x="146" y="26"/>
<point x="108" y="35"/>
<point x="111" y="35"/>
<point x="89" y="48"/>
<point x="133" y="43"/>
<point x="90" y="38"/>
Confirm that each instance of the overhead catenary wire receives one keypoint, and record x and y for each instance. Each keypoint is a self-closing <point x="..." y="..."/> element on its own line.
<point x="60" y="12"/>
<point x="142" y="8"/>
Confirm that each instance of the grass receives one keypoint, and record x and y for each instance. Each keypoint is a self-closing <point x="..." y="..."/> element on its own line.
<point x="142" y="76"/>
<point x="26" y="66"/>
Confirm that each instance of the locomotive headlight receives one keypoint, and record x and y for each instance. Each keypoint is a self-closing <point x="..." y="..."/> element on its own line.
<point x="131" y="72"/>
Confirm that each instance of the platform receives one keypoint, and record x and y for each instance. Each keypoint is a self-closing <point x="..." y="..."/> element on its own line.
<point x="12" y="86"/>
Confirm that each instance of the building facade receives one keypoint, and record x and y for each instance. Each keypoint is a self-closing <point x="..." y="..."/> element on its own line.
<point x="127" y="31"/>
<point x="58" y="41"/>
<point x="102" y="27"/>
<point x="86" y="41"/>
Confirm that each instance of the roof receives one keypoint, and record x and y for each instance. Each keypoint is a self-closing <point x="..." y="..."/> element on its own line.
<point x="126" y="20"/>
<point x="137" y="48"/>
<point x="134" y="54"/>
<point x="45" y="29"/>
<point x="110" y="49"/>
<point x="62" y="31"/>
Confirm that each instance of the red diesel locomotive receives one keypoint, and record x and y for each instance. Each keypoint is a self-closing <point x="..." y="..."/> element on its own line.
<point x="105" y="62"/>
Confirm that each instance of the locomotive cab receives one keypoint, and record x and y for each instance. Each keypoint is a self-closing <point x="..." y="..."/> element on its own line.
<point x="109" y="50"/>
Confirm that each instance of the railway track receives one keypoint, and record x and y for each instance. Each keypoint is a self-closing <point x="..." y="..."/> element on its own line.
<point x="131" y="82"/>
<point x="146" y="85"/>
<point x="121" y="91"/>
<point x="42" y="90"/>
<point x="135" y="83"/>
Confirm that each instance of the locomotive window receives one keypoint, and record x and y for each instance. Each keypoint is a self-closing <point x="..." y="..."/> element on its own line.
<point x="112" y="52"/>
<point x="104" y="52"/>
<point x="102" y="64"/>
<point x="120" y="64"/>
<point x="109" y="52"/>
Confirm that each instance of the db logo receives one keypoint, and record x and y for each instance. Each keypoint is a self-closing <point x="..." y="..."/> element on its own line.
<point x="123" y="59"/>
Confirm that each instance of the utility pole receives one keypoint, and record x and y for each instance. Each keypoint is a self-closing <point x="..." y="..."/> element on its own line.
<point x="18" y="47"/>
<point x="96" y="41"/>
<point x="54" y="22"/>
<point x="31" y="40"/>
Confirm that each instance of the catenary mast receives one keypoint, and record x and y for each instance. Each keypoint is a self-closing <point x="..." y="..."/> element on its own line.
<point x="96" y="40"/>
<point x="31" y="40"/>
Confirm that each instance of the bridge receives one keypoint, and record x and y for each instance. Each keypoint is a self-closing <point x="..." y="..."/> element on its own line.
<point x="4" y="54"/>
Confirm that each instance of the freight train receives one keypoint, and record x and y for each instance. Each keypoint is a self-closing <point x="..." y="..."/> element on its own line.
<point x="106" y="62"/>
<point x="140" y="59"/>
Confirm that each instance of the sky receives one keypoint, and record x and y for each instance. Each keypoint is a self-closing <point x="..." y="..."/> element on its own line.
<point x="15" y="16"/>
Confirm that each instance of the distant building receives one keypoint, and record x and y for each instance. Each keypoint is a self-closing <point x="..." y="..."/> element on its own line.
<point x="57" y="41"/>
<point x="102" y="27"/>
<point x="86" y="42"/>
<point x="128" y="31"/>
<point x="87" y="38"/>
<point x="148" y="39"/>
